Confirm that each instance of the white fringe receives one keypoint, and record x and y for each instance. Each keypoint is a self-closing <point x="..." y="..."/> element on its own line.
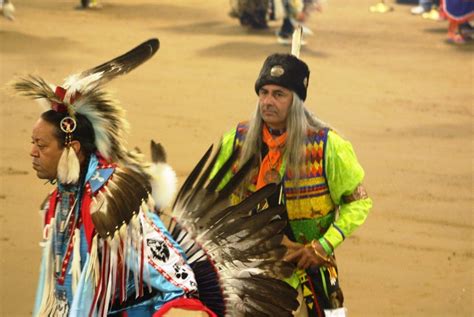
<point x="103" y="303"/>
<point x="146" y="269"/>
<point x="48" y="301"/>
<point x="93" y="269"/>
<point x="113" y="244"/>
<point x="135" y="242"/>
<point x="68" y="167"/>
<point x="123" y="251"/>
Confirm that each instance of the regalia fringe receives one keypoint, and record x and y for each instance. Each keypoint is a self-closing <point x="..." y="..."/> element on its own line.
<point x="48" y="300"/>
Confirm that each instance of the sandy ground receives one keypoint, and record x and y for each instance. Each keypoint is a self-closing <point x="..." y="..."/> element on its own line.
<point x="389" y="83"/>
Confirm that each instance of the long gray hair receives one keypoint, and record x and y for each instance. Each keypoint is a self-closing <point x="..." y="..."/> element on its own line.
<point x="298" y="122"/>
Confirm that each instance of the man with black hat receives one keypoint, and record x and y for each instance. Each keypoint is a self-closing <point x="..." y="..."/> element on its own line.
<point x="320" y="177"/>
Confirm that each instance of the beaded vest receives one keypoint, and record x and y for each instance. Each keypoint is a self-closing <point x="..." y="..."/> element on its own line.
<point x="308" y="202"/>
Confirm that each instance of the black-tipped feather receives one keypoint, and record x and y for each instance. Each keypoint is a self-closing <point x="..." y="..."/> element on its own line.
<point x="235" y="182"/>
<point x="217" y="179"/>
<point x="277" y="293"/>
<point x="243" y="208"/>
<point x="188" y="183"/>
<point x="124" y="63"/>
<point x="204" y="177"/>
<point x="158" y="153"/>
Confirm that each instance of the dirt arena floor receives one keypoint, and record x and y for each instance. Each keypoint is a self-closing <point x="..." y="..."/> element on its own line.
<point x="387" y="82"/>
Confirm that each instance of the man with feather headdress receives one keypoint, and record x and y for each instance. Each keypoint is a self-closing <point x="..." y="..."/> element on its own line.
<point x="105" y="250"/>
<point x="319" y="175"/>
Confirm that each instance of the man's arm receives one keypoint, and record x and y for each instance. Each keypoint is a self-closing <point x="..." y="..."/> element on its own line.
<point x="344" y="176"/>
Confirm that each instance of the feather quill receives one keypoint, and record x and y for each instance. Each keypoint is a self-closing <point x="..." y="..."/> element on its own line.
<point x="296" y="41"/>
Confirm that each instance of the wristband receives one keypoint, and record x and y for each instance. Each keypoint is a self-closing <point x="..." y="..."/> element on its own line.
<point x="324" y="257"/>
<point x="325" y="245"/>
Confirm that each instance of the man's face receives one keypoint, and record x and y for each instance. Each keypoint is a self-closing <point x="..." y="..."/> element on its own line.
<point x="45" y="151"/>
<point x="274" y="104"/>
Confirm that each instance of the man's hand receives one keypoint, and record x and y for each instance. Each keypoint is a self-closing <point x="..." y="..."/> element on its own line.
<point x="305" y="256"/>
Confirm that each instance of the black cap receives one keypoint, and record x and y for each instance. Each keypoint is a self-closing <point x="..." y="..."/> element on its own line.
<point x="284" y="70"/>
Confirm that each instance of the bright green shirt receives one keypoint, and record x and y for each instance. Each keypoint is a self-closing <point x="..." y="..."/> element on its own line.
<point x="343" y="174"/>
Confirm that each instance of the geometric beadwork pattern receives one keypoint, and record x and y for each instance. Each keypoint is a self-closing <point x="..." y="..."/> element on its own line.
<point x="307" y="198"/>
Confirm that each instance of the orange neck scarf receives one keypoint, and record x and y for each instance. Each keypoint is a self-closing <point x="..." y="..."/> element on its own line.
<point x="271" y="163"/>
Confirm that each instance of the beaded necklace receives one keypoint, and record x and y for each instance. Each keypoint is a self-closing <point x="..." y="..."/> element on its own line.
<point x="68" y="219"/>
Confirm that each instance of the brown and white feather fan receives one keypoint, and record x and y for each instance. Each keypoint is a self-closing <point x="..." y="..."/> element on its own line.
<point x="235" y="251"/>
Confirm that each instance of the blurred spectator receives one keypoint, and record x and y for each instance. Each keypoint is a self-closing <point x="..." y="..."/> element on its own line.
<point x="422" y="7"/>
<point x="296" y="12"/>
<point x="89" y="4"/>
<point x="251" y="13"/>
<point x="459" y="13"/>
<point x="7" y="9"/>
<point x="255" y="14"/>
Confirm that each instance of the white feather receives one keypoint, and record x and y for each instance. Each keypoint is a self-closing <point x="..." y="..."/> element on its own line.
<point x="164" y="184"/>
<point x="62" y="166"/>
<point x="45" y="104"/>
<point x="74" y="166"/>
<point x="74" y="83"/>
<point x="68" y="167"/>
<point x="296" y="41"/>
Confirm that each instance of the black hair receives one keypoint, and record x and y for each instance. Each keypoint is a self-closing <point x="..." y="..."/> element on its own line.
<point x="84" y="132"/>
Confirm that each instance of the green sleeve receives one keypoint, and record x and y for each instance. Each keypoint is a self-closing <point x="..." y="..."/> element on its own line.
<point x="343" y="174"/>
<point x="226" y="149"/>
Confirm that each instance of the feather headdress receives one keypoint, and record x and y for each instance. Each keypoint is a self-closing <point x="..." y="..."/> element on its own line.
<point x="82" y="94"/>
